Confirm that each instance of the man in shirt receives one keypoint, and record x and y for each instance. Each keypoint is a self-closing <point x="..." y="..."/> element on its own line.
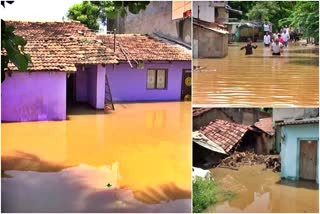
<point x="276" y="47"/>
<point x="285" y="36"/>
<point x="266" y="28"/>
<point x="266" y="40"/>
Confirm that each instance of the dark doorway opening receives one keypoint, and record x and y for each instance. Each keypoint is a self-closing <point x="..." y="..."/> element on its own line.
<point x="186" y="85"/>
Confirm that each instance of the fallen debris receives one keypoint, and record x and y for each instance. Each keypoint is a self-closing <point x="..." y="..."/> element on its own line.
<point x="238" y="159"/>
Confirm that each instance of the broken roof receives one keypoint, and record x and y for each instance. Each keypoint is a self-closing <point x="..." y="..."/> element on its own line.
<point x="265" y="124"/>
<point x="225" y="134"/>
<point x="144" y="47"/>
<point x="60" y="46"/>
<point x="203" y="141"/>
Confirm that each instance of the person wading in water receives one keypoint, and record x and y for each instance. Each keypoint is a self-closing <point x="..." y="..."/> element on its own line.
<point x="276" y="46"/>
<point x="249" y="47"/>
<point x="266" y="40"/>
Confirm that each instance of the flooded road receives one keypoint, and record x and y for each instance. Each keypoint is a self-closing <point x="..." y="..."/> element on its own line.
<point x="260" y="79"/>
<point x="134" y="159"/>
<point x="257" y="190"/>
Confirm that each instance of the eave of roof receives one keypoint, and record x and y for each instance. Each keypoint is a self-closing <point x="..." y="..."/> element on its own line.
<point x="205" y="142"/>
<point x="297" y="122"/>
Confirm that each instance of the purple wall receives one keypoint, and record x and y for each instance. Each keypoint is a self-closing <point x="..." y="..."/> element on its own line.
<point x="81" y="85"/>
<point x="34" y="96"/>
<point x="129" y="84"/>
<point x="101" y="84"/>
<point x="90" y="85"/>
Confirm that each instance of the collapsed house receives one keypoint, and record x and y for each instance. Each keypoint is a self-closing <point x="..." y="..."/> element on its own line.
<point x="247" y="116"/>
<point x="72" y="64"/>
<point x="220" y="138"/>
<point x="298" y="139"/>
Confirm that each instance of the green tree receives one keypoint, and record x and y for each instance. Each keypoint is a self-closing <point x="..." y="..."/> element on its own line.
<point x="90" y="12"/>
<point x="12" y="48"/>
<point x="243" y="6"/>
<point x="261" y="11"/>
<point x="305" y="15"/>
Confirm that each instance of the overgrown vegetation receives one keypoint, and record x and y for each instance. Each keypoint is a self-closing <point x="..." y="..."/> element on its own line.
<point x="92" y="12"/>
<point x="298" y="14"/>
<point x="206" y="193"/>
<point x="306" y="16"/>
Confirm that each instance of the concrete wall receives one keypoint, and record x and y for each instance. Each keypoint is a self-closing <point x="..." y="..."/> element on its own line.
<point x="34" y="96"/>
<point x="90" y="85"/>
<point x="222" y="16"/>
<point x="294" y="113"/>
<point x="265" y="144"/>
<point x="128" y="85"/>
<point x="210" y="44"/>
<point x="290" y="150"/>
<point x="156" y="18"/>
<point x="207" y="12"/>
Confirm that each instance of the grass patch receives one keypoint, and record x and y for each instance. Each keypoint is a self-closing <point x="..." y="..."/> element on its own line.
<point x="206" y="193"/>
<point x="203" y="194"/>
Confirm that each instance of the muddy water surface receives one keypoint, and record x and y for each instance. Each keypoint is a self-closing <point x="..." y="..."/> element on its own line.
<point x="134" y="159"/>
<point x="260" y="79"/>
<point x="257" y="190"/>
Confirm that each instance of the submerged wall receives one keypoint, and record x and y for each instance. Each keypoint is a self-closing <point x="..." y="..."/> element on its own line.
<point x="209" y="44"/>
<point x="34" y="96"/>
<point x="290" y="150"/>
<point x="129" y="85"/>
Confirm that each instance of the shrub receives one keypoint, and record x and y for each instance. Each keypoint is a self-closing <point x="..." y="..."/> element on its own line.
<point x="204" y="194"/>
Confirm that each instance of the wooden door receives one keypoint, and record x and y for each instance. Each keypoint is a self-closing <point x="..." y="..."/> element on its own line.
<point x="308" y="159"/>
<point x="186" y="85"/>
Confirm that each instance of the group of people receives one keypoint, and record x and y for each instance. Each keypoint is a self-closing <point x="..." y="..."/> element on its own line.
<point x="275" y="41"/>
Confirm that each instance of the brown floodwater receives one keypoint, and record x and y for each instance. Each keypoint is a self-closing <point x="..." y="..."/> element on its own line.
<point x="260" y="79"/>
<point x="134" y="159"/>
<point x="258" y="190"/>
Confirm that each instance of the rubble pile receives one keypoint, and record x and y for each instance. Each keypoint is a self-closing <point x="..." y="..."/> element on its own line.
<point x="238" y="159"/>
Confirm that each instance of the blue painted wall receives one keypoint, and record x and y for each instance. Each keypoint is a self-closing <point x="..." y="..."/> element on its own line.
<point x="290" y="148"/>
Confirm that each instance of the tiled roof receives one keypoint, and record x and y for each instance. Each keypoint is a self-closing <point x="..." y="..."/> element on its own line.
<point x="223" y="133"/>
<point x="41" y="30"/>
<point x="203" y="141"/>
<point x="199" y="111"/>
<point x="144" y="47"/>
<point x="265" y="124"/>
<point x="59" y="46"/>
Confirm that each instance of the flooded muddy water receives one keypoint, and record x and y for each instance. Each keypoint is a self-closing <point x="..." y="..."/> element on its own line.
<point x="258" y="190"/>
<point x="260" y="79"/>
<point x="134" y="159"/>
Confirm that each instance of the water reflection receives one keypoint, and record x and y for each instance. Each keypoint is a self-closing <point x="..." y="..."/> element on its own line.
<point x="264" y="191"/>
<point x="132" y="160"/>
<point x="260" y="79"/>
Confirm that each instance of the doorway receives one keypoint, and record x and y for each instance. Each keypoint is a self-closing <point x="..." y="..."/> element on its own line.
<point x="71" y="89"/>
<point x="186" y="85"/>
<point x="308" y="159"/>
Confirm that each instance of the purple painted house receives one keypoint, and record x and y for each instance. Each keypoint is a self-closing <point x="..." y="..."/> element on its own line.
<point x="72" y="64"/>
